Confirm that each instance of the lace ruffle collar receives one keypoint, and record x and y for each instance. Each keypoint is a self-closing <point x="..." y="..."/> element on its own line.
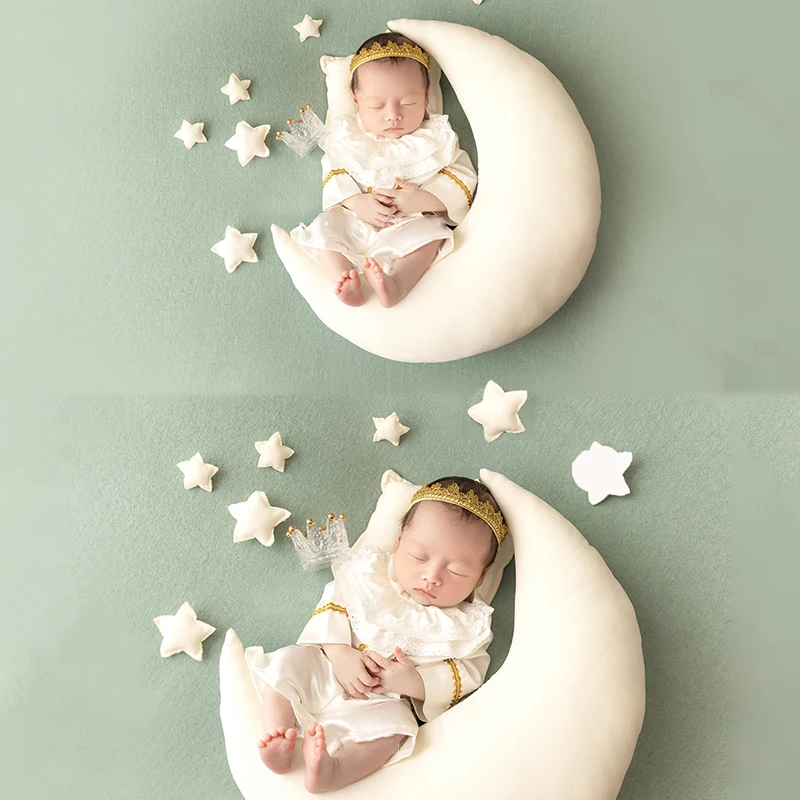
<point x="385" y="616"/>
<point x="375" y="160"/>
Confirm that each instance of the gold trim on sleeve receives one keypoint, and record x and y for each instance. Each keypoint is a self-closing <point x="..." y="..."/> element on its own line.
<point x="456" y="681"/>
<point x="332" y="173"/>
<point x="461" y="183"/>
<point x="330" y="607"/>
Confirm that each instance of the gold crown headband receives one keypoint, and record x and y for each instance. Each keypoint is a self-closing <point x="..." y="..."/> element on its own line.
<point x="390" y="50"/>
<point x="469" y="500"/>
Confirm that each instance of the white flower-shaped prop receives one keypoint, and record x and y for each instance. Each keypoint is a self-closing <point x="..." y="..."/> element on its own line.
<point x="236" y="89"/>
<point x="256" y="519"/>
<point x="191" y="133"/>
<point x="248" y="141"/>
<point x="389" y="429"/>
<point x="598" y="471"/>
<point x="183" y="632"/>
<point x="235" y="248"/>
<point x="197" y="473"/>
<point x="273" y="453"/>
<point x="498" y="412"/>
<point x="308" y="27"/>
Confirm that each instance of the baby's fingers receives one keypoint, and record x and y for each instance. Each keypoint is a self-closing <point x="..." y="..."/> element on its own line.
<point x="353" y="692"/>
<point x="371" y="665"/>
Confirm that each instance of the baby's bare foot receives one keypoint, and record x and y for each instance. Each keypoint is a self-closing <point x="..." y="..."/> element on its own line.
<point x="320" y="767"/>
<point x="276" y="748"/>
<point x="348" y="288"/>
<point x="385" y="286"/>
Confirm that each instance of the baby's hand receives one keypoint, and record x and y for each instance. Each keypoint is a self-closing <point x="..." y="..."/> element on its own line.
<point x="398" y="676"/>
<point x="408" y="198"/>
<point x="374" y="210"/>
<point x="350" y="669"/>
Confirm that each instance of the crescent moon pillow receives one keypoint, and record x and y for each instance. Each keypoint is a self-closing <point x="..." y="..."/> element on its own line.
<point x="569" y="698"/>
<point x="384" y="526"/>
<point x="337" y="81"/>
<point x="535" y="214"/>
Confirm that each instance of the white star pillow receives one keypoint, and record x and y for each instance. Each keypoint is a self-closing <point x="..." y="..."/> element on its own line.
<point x="248" y="142"/>
<point x="256" y="519"/>
<point x="235" y="248"/>
<point x="498" y="412"/>
<point x="197" y="473"/>
<point x="598" y="471"/>
<point x="308" y="27"/>
<point x="236" y="89"/>
<point x="273" y="453"/>
<point x="191" y="133"/>
<point x="183" y="633"/>
<point x="389" y="429"/>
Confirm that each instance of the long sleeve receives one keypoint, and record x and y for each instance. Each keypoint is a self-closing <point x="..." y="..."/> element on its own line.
<point x="329" y="623"/>
<point x="446" y="682"/>
<point x="455" y="186"/>
<point x="337" y="185"/>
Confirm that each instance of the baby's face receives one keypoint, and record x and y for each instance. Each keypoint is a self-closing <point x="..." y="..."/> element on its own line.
<point x="438" y="553"/>
<point x="391" y="98"/>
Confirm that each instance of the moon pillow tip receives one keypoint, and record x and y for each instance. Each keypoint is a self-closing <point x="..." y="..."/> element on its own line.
<point x="549" y="140"/>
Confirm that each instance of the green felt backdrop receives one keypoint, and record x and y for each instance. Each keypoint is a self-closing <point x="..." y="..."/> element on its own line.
<point x="127" y="347"/>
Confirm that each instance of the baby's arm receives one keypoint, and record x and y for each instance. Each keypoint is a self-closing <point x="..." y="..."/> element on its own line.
<point x="338" y="188"/>
<point x="454" y="186"/>
<point x="446" y="682"/>
<point x="329" y="623"/>
<point x="329" y="629"/>
<point x="337" y="185"/>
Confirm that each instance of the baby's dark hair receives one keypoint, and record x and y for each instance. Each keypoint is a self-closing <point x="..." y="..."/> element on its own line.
<point x="384" y="39"/>
<point x="464" y="484"/>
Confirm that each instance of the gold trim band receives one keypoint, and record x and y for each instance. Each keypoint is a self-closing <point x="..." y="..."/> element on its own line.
<point x="461" y="183"/>
<point x="330" y="607"/>
<point x="390" y="50"/>
<point x="332" y="173"/>
<point x="456" y="681"/>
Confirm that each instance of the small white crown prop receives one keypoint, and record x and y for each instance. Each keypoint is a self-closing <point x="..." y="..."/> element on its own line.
<point x="304" y="134"/>
<point x="318" y="545"/>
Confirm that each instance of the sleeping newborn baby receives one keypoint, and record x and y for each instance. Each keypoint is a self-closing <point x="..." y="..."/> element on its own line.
<point x="394" y="635"/>
<point x="394" y="178"/>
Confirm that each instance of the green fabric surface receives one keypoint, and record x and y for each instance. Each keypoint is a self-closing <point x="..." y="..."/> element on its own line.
<point x="127" y="347"/>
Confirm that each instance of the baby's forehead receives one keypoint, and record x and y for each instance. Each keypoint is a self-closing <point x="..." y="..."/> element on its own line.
<point x="381" y="75"/>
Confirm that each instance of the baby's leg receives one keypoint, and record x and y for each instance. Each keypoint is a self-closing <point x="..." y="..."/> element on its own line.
<point x="346" y="280"/>
<point x="277" y="719"/>
<point x="326" y="773"/>
<point x="391" y="289"/>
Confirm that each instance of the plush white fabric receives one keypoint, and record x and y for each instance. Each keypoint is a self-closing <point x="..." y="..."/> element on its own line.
<point x="559" y="719"/>
<point x="534" y="219"/>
